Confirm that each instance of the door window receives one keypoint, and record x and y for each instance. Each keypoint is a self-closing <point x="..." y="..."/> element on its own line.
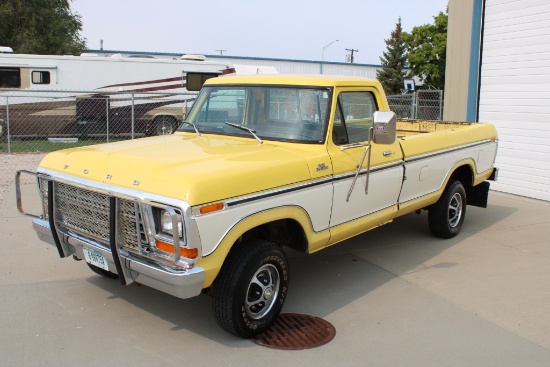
<point x="353" y="118"/>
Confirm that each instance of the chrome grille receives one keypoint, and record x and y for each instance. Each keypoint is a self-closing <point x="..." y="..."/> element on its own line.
<point x="43" y="184"/>
<point x="128" y="230"/>
<point x="87" y="213"/>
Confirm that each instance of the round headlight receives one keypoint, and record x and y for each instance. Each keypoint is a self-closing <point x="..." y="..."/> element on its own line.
<point x="166" y="224"/>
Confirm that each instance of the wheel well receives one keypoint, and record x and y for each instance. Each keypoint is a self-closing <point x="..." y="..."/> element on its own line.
<point x="285" y="232"/>
<point x="463" y="174"/>
<point x="475" y="195"/>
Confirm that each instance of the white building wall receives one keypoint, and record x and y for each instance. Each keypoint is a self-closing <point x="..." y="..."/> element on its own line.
<point x="283" y="66"/>
<point x="307" y="67"/>
<point x="515" y="93"/>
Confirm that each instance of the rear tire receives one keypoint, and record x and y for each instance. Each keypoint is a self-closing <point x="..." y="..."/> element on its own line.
<point x="447" y="215"/>
<point x="251" y="288"/>
<point x="102" y="272"/>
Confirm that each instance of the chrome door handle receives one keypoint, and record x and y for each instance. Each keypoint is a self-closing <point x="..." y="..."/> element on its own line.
<point x="388" y="152"/>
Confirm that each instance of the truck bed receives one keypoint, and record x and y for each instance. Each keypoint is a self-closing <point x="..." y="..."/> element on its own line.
<point x="407" y="128"/>
<point x="419" y="137"/>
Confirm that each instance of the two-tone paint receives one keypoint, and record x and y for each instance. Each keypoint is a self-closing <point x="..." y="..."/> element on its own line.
<point x="251" y="184"/>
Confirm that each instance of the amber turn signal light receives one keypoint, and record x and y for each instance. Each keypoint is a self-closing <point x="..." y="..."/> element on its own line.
<point x="211" y="208"/>
<point x="190" y="253"/>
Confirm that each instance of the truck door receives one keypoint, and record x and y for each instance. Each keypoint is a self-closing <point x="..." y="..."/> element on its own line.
<point x="348" y="140"/>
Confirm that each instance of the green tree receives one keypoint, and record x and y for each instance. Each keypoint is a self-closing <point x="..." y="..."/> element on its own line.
<point x="394" y="62"/>
<point x="427" y="49"/>
<point x="46" y="27"/>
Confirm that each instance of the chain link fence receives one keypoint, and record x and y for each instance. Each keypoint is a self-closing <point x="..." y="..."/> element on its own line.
<point x="33" y="123"/>
<point x="420" y="105"/>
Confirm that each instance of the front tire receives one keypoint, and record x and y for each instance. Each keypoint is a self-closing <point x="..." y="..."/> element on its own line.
<point x="251" y="288"/>
<point x="447" y="215"/>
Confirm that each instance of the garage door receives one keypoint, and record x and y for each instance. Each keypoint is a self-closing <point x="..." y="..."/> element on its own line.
<point x="515" y="92"/>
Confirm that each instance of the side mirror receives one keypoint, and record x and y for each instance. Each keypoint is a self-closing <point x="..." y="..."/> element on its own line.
<point x="384" y="127"/>
<point x="195" y="80"/>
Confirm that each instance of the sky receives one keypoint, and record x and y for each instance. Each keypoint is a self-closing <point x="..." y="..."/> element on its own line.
<point x="282" y="29"/>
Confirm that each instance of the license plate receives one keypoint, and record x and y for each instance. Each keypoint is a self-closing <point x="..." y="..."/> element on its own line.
<point x="94" y="257"/>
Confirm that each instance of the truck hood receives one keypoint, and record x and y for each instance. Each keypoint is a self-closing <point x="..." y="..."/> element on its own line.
<point x="194" y="169"/>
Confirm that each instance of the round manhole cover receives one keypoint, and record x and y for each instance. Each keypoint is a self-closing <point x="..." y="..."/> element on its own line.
<point x="292" y="331"/>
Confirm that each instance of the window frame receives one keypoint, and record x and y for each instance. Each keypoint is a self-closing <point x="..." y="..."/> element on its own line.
<point x="343" y="121"/>
<point x="8" y="69"/>
<point x="250" y="109"/>
<point x="41" y="73"/>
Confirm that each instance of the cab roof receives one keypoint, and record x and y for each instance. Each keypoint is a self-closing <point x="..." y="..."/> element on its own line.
<point x="295" y="79"/>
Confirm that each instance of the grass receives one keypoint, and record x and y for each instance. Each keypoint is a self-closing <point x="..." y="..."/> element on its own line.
<point x="45" y="146"/>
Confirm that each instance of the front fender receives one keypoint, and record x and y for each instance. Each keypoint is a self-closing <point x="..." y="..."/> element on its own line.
<point x="213" y="262"/>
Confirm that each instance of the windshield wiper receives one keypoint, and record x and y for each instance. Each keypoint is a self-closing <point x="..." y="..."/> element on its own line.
<point x="194" y="127"/>
<point x="251" y="131"/>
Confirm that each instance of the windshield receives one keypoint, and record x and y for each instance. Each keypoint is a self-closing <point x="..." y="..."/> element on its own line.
<point x="271" y="112"/>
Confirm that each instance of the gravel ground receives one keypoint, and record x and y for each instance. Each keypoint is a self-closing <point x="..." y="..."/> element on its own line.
<point x="10" y="163"/>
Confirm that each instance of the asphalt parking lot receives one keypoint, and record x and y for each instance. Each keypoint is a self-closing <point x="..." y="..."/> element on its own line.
<point x="396" y="296"/>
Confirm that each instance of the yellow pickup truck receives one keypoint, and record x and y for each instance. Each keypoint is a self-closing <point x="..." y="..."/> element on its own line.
<point x="260" y="164"/>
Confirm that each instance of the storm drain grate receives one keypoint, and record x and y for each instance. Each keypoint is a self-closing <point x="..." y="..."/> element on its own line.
<point x="293" y="331"/>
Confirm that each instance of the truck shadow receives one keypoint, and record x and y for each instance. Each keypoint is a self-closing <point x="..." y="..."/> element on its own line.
<point x="328" y="280"/>
<point x="337" y="276"/>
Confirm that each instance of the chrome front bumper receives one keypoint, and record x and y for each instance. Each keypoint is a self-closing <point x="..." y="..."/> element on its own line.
<point x="181" y="283"/>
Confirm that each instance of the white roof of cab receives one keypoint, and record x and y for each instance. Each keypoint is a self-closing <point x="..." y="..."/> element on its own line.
<point x="296" y="79"/>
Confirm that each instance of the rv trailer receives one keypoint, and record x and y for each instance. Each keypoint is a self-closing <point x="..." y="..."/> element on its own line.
<point x="47" y="96"/>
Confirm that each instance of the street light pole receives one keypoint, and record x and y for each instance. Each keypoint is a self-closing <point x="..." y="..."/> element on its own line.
<point x="323" y="54"/>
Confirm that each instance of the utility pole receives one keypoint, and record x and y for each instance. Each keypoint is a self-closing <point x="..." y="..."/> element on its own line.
<point x="351" y="50"/>
<point x="221" y="52"/>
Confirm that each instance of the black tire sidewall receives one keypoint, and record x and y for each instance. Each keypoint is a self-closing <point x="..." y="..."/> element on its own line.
<point x="231" y="286"/>
<point x="256" y="326"/>
<point x="438" y="215"/>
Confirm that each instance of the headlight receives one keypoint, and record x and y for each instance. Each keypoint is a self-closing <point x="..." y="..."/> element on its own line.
<point x="169" y="243"/>
<point x="166" y="224"/>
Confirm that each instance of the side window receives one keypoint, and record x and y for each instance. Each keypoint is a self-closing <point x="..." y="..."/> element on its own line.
<point x="40" y="77"/>
<point x="10" y="78"/>
<point x="353" y="119"/>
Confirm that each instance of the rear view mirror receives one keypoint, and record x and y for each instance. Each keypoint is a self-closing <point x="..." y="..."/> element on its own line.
<point x="384" y="127"/>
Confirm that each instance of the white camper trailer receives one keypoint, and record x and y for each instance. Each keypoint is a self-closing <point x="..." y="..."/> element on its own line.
<point x="130" y="95"/>
<point x="89" y="72"/>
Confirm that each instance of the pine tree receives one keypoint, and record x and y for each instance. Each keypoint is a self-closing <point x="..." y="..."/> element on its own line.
<point x="394" y="62"/>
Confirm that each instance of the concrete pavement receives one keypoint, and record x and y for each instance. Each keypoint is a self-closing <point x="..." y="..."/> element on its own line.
<point x="396" y="296"/>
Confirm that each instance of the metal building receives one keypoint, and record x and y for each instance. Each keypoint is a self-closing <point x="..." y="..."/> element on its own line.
<point x="283" y="66"/>
<point x="498" y="70"/>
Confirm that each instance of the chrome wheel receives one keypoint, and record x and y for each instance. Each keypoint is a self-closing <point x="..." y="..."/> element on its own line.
<point x="251" y="288"/>
<point x="164" y="126"/>
<point x="262" y="291"/>
<point x="446" y="216"/>
<point x="455" y="210"/>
